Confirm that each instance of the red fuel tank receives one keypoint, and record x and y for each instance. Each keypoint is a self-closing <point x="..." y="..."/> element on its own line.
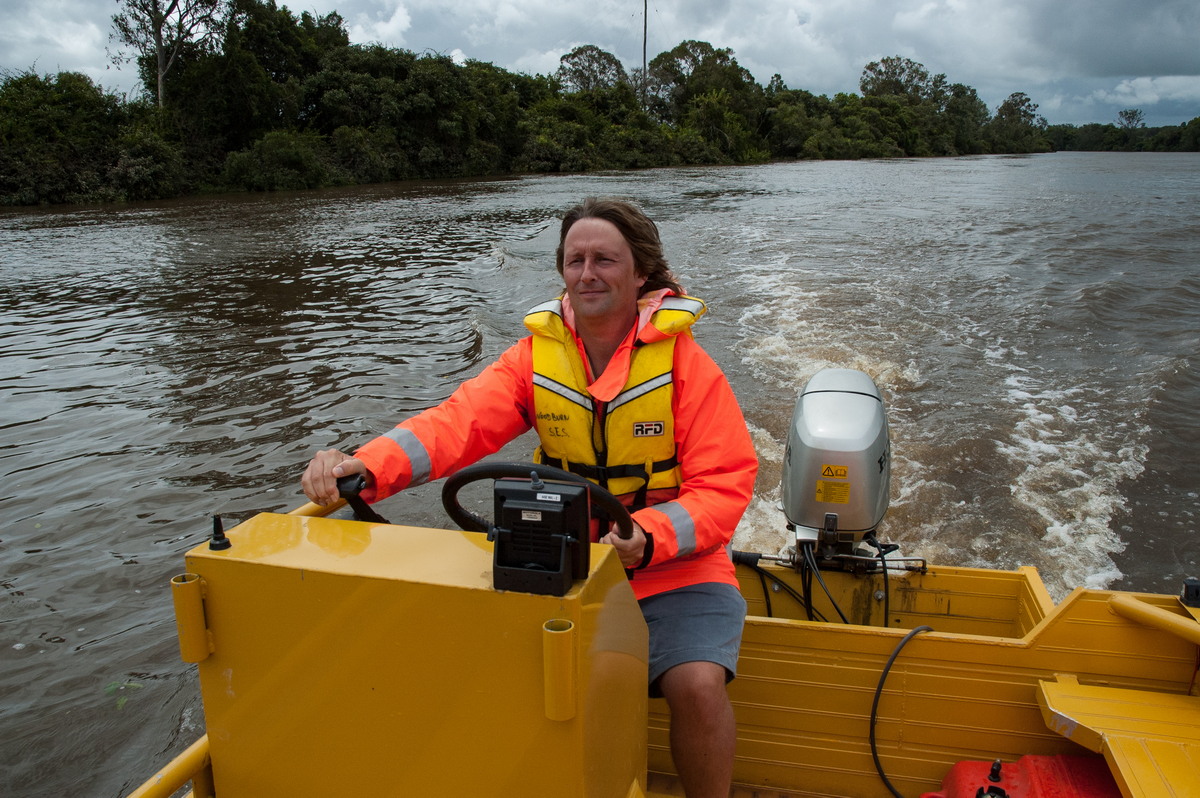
<point x="1030" y="777"/>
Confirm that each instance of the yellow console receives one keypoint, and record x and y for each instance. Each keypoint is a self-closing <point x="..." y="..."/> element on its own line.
<point x="348" y="658"/>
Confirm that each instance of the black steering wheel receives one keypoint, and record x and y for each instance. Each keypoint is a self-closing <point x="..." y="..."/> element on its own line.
<point x="607" y="503"/>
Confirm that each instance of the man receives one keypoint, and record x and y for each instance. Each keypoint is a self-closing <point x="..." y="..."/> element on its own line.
<point x="618" y="392"/>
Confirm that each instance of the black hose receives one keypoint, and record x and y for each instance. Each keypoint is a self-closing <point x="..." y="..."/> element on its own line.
<point x="884" y="549"/>
<point x="887" y="593"/>
<point x="806" y="586"/>
<point x="812" y="563"/>
<point x="875" y="705"/>
<point x="750" y="560"/>
<point x="762" y="581"/>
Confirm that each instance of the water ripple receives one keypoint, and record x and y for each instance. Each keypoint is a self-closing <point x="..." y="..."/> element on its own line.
<point x="1031" y="321"/>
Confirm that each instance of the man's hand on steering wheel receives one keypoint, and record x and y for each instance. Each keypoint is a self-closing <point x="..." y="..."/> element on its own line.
<point x="630" y="551"/>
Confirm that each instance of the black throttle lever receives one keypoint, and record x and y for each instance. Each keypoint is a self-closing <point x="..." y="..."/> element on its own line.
<point x="349" y="488"/>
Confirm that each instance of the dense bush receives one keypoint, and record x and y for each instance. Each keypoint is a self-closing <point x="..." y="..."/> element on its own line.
<point x="284" y="102"/>
<point x="148" y="166"/>
<point x="363" y="156"/>
<point x="58" y="139"/>
<point x="281" y="160"/>
<point x="1114" y="138"/>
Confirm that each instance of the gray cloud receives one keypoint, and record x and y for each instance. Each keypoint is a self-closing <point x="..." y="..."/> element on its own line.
<point x="1080" y="60"/>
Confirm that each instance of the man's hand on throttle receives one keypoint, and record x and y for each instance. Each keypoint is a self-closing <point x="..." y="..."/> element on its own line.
<point x="327" y="466"/>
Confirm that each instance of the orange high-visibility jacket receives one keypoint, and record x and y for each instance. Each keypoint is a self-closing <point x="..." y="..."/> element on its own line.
<point x="716" y="458"/>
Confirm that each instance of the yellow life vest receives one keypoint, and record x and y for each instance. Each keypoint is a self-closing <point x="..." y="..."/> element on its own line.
<point x="627" y="444"/>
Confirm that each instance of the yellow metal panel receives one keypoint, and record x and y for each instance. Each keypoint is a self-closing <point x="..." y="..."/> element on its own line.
<point x="352" y="658"/>
<point x="804" y="690"/>
<point x="1147" y="767"/>
<point x="359" y="659"/>
<point x="964" y="600"/>
<point x="1151" y="740"/>
<point x="1105" y="711"/>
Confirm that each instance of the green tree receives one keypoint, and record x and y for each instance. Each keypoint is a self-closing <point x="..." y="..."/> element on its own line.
<point x="965" y="118"/>
<point x="828" y="140"/>
<point x="359" y="86"/>
<point x="597" y="129"/>
<point x="712" y="115"/>
<point x="587" y="67"/>
<point x="695" y="68"/>
<point x="440" y="124"/>
<point x="158" y="30"/>
<point x="58" y="139"/>
<point x="1133" y="127"/>
<point x="559" y="135"/>
<point x="790" y="126"/>
<point x="1131" y="119"/>
<point x="874" y="127"/>
<point x="1103" y="138"/>
<point x="285" y="101"/>
<point x="281" y="160"/>
<point x="225" y="98"/>
<point x="269" y="52"/>
<point x="1189" y="139"/>
<point x="1017" y="127"/>
<point x="792" y="117"/>
<point x="920" y="101"/>
<point x="895" y="76"/>
<point x="503" y="99"/>
<point x="149" y="165"/>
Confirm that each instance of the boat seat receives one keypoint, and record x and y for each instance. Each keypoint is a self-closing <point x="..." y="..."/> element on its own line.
<point x="1150" y="740"/>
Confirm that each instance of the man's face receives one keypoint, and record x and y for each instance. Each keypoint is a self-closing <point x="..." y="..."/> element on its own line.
<point x="599" y="271"/>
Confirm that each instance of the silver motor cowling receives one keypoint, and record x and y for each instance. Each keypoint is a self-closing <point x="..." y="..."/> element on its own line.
<point x="836" y="470"/>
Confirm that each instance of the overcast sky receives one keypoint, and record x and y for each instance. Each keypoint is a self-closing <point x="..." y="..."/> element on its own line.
<point x="1080" y="60"/>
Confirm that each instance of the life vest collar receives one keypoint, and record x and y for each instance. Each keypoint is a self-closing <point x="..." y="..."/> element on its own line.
<point x="661" y="314"/>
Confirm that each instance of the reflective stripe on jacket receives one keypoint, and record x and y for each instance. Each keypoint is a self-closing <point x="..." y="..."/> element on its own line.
<point x="716" y="458"/>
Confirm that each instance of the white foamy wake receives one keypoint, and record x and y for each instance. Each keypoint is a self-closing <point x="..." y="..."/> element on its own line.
<point x="1063" y="453"/>
<point x="1072" y="462"/>
<point x="762" y="527"/>
<point x="793" y="336"/>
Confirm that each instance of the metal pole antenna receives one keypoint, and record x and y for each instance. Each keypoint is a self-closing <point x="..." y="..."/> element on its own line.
<point x="644" y="26"/>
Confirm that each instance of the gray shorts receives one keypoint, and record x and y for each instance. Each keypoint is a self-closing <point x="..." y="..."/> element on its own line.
<point x="697" y="623"/>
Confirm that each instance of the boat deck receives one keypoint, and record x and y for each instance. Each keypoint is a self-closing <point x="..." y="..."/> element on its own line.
<point x="1150" y="740"/>
<point x="660" y="785"/>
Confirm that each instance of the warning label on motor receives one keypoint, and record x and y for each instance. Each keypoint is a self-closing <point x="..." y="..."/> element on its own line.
<point x="836" y="472"/>
<point x="833" y="492"/>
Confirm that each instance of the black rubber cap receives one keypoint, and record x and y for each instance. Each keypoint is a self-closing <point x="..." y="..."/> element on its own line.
<point x="1190" y="595"/>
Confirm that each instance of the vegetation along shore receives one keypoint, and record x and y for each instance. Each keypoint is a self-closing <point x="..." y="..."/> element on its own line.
<point x="250" y="96"/>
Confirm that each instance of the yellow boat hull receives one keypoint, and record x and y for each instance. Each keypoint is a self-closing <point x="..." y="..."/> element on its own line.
<point x="345" y="658"/>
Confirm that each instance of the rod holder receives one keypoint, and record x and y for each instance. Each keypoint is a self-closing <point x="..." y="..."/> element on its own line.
<point x="195" y="641"/>
<point x="558" y="665"/>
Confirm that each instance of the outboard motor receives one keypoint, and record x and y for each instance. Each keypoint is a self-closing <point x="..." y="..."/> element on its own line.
<point x="837" y="469"/>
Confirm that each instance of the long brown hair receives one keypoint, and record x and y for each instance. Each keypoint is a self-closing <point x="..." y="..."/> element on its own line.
<point x="640" y="232"/>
